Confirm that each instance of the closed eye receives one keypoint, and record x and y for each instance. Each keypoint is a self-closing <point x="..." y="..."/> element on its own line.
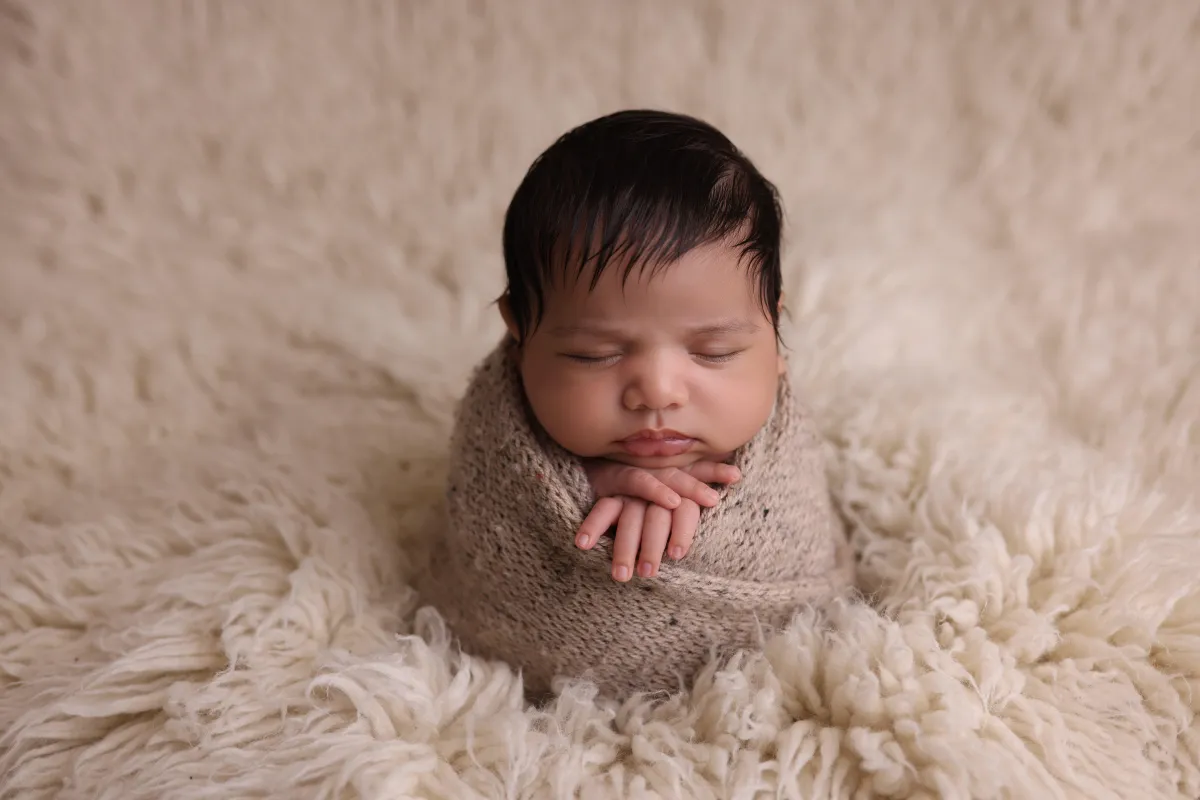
<point x="717" y="358"/>
<point x="592" y="360"/>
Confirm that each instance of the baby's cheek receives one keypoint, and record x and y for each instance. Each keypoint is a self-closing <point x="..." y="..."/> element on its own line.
<point x="574" y="416"/>
<point x="749" y="409"/>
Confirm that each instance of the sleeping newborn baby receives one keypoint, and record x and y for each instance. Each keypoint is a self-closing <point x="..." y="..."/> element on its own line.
<point x="633" y="486"/>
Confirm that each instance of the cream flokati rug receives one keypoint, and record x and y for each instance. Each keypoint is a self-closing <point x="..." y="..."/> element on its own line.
<point x="246" y="256"/>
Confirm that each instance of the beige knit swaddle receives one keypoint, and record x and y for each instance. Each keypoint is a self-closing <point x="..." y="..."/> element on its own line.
<point x="513" y="586"/>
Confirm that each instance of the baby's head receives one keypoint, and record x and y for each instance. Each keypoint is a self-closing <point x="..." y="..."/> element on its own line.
<point x="644" y="291"/>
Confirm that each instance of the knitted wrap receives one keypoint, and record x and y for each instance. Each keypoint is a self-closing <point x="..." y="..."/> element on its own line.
<point x="511" y="584"/>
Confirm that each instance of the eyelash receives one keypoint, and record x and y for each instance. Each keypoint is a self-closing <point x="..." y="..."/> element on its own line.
<point x="717" y="359"/>
<point x="595" y="361"/>
<point x="592" y="361"/>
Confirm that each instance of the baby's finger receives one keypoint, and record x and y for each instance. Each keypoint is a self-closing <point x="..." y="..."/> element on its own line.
<point x="714" y="472"/>
<point x="629" y="534"/>
<point x="602" y="517"/>
<point x="656" y="529"/>
<point x="683" y="529"/>
<point x="635" y="482"/>
<point x="690" y="487"/>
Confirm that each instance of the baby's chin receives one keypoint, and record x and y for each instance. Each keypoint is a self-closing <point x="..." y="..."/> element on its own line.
<point x="682" y="461"/>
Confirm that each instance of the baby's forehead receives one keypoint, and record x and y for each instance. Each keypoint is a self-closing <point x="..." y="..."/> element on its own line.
<point x="711" y="282"/>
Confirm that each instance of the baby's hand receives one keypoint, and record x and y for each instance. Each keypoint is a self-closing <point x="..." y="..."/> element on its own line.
<point x="642" y="523"/>
<point x="666" y="487"/>
<point x="643" y="527"/>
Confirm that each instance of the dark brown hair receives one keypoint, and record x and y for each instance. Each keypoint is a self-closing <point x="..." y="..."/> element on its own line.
<point x="642" y="186"/>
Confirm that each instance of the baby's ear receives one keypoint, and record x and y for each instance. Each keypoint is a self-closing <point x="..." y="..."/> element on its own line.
<point x="781" y="362"/>
<point x="506" y="314"/>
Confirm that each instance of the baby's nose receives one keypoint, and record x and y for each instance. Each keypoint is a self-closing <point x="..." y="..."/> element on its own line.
<point x="655" y="390"/>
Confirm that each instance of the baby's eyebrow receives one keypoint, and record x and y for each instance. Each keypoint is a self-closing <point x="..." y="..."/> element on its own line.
<point x="718" y="327"/>
<point x="577" y="330"/>
<point x="724" y="326"/>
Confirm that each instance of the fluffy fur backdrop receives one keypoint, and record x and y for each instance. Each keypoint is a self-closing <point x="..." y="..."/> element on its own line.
<point x="247" y="252"/>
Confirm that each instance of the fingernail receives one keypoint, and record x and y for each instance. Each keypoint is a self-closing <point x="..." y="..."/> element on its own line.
<point x="674" y="500"/>
<point x="646" y="570"/>
<point x="621" y="573"/>
<point x="582" y="540"/>
<point x="676" y="552"/>
<point x="711" y="494"/>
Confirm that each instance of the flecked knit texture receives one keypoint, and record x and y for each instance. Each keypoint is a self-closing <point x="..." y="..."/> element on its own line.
<point x="513" y="586"/>
<point x="247" y="251"/>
